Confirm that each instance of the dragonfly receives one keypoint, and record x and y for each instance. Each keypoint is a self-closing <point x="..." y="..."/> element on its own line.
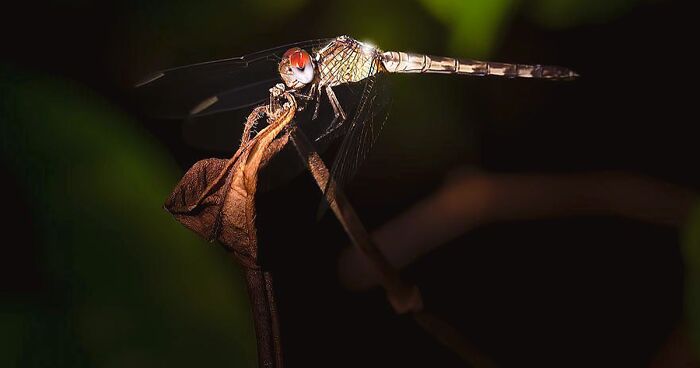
<point x="317" y="72"/>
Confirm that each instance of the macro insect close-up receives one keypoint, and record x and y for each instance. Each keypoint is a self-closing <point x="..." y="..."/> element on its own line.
<point x="184" y="192"/>
<point x="225" y="85"/>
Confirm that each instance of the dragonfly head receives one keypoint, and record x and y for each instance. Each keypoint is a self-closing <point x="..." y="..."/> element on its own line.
<point x="296" y="68"/>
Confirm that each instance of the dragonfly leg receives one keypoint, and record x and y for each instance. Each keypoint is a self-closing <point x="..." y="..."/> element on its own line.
<point x="307" y="97"/>
<point x="339" y="117"/>
<point x="339" y="112"/>
<point x="312" y="92"/>
<point x="318" y="103"/>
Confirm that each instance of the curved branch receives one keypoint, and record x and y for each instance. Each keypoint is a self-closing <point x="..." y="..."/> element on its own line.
<point x="467" y="201"/>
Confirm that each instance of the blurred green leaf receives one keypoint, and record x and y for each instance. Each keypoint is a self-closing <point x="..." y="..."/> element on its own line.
<point x="475" y="25"/>
<point x="129" y="286"/>
<point x="569" y="13"/>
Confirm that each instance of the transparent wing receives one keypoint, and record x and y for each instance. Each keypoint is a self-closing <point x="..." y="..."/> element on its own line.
<point x="253" y="94"/>
<point x="214" y="86"/>
<point x="218" y="127"/>
<point x="362" y="130"/>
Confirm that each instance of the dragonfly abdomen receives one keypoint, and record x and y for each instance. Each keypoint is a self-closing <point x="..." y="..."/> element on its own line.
<point x="407" y="62"/>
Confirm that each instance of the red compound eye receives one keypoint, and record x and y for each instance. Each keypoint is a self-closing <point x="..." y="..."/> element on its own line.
<point x="297" y="57"/>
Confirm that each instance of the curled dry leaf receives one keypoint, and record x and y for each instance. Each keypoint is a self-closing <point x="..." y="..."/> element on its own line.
<point x="216" y="197"/>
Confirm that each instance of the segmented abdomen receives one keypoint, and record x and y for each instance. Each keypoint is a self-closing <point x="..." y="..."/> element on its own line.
<point x="409" y="62"/>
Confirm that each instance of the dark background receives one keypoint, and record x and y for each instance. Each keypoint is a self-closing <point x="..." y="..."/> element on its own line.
<point x="94" y="273"/>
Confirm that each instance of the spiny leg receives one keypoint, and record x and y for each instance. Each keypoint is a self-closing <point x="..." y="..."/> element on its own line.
<point x="318" y="104"/>
<point x="307" y="97"/>
<point x="339" y="117"/>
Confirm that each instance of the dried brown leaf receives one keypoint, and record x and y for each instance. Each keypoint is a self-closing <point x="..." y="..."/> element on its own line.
<point x="216" y="198"/>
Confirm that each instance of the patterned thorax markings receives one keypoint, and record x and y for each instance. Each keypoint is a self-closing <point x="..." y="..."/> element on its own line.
<point x="345" y="60"/>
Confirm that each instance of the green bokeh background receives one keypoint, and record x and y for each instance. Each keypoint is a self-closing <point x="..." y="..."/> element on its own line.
<point x="128" y="286"/>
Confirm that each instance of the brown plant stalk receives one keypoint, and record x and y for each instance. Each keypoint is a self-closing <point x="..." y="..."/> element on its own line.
<point x="216" y="199"/>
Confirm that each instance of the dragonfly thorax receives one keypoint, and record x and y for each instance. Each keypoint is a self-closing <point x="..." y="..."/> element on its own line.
<point x="296" y="68"/>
